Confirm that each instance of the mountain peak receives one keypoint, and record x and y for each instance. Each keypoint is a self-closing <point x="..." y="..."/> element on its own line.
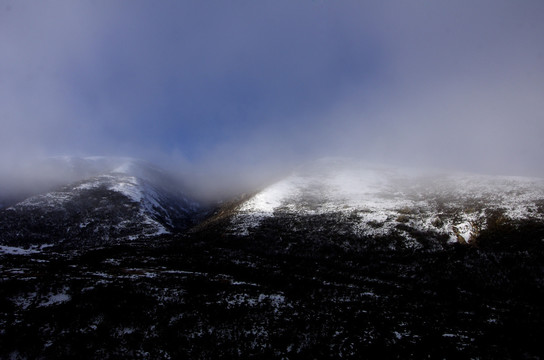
<point x="113" y="199"/>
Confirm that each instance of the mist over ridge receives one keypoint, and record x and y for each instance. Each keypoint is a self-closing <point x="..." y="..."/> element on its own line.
<point x="232" y="96"/>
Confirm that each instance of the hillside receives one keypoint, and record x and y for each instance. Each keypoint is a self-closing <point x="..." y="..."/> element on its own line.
<point x="357" y="203"/>
<point x="117" y="199"/>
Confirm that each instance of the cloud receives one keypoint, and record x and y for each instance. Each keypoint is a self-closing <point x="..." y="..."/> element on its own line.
<point x="462" y="89"/>
<point x="236" y="92"/>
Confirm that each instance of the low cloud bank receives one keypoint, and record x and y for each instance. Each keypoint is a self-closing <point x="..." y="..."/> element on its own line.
<point x="232" y="96"/>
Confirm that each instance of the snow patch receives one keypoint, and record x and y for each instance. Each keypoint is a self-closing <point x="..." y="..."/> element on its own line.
<point x="11" y="250"/>
<point x="56" y="299"/>
<point x="128" y="186"/>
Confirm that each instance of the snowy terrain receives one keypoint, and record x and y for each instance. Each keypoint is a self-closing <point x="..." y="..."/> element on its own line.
<point x="339" y="260"/>
<point x="378" y="201"/>
<point x="121" y="198"/>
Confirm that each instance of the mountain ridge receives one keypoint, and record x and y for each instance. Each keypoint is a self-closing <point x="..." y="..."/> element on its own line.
<point x="373" y="201"/>
<point x="118" y="199"/>
<point x="122" y="199"/>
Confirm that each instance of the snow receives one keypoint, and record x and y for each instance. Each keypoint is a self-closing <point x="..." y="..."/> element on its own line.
<point x="465" y="230"/>
<point x="375" y="199"/>
<point x="128" y="186"/>
<point x="158" y="199"/>
<point x="25" y="301"/>
<point x="348" y="189"/>
<point x="270" y="199"/>
<point x="140" y="192"/>
<point x="17" y="251"/>
<point x="56" y="299"/>
<point x="125" y="331"/>
<point x="275" y="300"/>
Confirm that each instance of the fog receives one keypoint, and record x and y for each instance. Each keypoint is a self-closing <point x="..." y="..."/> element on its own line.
<point x="230" y="95"/>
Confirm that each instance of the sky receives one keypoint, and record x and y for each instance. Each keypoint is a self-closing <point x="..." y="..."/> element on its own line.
<point x="233" y="92"/>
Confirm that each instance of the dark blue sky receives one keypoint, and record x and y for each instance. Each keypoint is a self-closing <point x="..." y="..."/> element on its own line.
<point x="245" y="86"/>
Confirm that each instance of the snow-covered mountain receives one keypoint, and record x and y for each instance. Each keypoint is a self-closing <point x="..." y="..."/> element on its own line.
<point x="114" y="199"/>
<point x="332" y="197"/>
<point x="343" y="201"/>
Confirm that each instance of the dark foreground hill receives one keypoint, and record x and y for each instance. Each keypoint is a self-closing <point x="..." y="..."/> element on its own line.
<point x="209" y="297"/>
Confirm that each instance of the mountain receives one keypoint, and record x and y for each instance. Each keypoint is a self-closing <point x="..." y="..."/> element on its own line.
<point x="340" y="259"/>
<point x="357" y="204"/>
<point x="335" y="202"/>
<point x="114" y="199"/>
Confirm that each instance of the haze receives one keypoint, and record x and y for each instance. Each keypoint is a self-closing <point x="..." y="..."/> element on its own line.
<point x="229" y="94"/>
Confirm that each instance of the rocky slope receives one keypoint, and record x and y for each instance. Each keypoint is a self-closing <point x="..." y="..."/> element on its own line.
<point x="117" y="199"/>
<point x="347" y="199"/>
